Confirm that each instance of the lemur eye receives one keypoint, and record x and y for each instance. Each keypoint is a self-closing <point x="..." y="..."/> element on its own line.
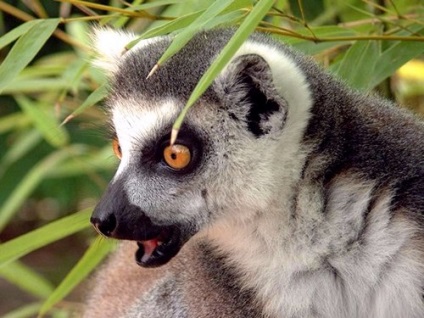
<point x="177" y="156"/>
<point x="116" y="148"/>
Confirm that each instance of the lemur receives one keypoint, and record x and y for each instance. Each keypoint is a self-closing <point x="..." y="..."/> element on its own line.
<point x="286" y="194"/>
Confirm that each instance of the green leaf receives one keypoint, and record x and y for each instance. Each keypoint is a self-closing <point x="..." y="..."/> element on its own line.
<point x="243" y="32"/>
<point x="184" y="36"/>
<point x="101" y="160"/>
<point x="394" y="57"/>
<point x="357" y="65"/>
<point x="310" y="47"/>
<point x="96" y="96"/>
<point x="73" y="74"/>
<point x="41" y="71"/>
<point x="225" y="19"/>
<point x="17" y="32"/>
<point x="239" y="4"/>
<point x="311" y="8"/>
<point x="30" y="182"/>
<point x="27" y="279"/>
<point x="13" y="121"/>
<point x="36" y="85"/>
<point x="25" y="50"/>
<point x="27" y="311"/>
<point x="80" y="31"/>
<point x="187" y="20"/>
<point x="90" y="261"/>
<point x="54" y="231"/>
<point x="20" y="148"/>
<point x="154" y="4"/>
<point x="48" y="126"/>
<point x="166" y="28"/>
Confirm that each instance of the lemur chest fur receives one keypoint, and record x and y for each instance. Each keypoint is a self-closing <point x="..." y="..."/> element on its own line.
<point x="319" y="260"/>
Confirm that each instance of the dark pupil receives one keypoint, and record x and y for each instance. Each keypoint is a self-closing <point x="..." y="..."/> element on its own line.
<point x="173" y="156"/>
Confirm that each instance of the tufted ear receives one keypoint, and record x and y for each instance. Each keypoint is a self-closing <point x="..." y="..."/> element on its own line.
<point x="247" y="88"/>
<point x="109" y="45"/>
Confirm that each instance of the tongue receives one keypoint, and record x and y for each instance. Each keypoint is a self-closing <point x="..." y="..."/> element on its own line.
<point x="149" y="247"/>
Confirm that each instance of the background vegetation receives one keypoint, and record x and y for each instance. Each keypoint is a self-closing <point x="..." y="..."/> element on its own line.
<point x="54" y="158"/>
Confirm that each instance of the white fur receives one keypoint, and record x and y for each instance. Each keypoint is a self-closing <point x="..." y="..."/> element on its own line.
<point x="291" y="84"/>
<point x="134" y="123"/>
<point x="110" y="46"/>
<point x="294" y="278"/>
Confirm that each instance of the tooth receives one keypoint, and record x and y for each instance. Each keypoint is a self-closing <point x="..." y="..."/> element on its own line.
<point x="145" y="258"/>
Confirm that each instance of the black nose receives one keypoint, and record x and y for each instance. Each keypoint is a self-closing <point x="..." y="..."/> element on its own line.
<point x="106" y="225"/>
<point x="123" y="221"/>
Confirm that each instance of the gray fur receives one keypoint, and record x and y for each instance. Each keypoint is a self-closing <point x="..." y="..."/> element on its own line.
<point x="307" y="198"/>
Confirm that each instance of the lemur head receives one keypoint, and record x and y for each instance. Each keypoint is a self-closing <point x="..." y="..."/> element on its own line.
<point x="234" y="151"/>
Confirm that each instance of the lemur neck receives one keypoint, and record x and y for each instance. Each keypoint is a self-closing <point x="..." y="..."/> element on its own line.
<point x="264" y="254"/>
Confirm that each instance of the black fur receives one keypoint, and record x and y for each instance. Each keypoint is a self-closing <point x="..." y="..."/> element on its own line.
<point x="368" y="138"/>
<point x="261" y="105"/>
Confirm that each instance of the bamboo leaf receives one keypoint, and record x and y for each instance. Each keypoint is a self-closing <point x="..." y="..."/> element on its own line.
<point x="182" y="22"/>
<point x="41" y="71"/>
<point x="394" y="57"/>
<point x="154" y="4"/>
<point x="48" y="126"/>
<point x="95" y="97"/>
<point x="166" y="28"/>
<point x="80" y="30"/>
<point x="225" y="19"/>
<point x="182" y="38"/>
<point x="237" y="5"/>
<point x="186" y="20"/>
<point x="25" y="50"/>
<point x="17" y="32"/>
<point x="26" y="311"/>
<point x="74" y="72"/>
<point x="310" y="47"/>
<point x="243" y="32"/>
<point x="26" y="279"/>
<point x="13" y="121"/>
<point x="29" y="183"/>
<point x="308" y="9"/>
<point x="98" y="6"/>
<point x="37" y="85"/>
<point x="101" y="160"/>
<point x="90" y="261"/>
<point x="20" y="148"/>
<point x="54" y="231"/>
<point x="357" y="66"/>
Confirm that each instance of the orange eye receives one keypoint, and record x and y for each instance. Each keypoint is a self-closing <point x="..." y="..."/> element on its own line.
<point x="177" y="156"/>
<point x="116" y="148"/>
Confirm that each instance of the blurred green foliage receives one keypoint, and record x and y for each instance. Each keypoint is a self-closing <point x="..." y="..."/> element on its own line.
<point x="54" y="157"/>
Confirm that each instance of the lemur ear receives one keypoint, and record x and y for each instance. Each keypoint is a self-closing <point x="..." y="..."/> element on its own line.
<point x="109" y="45"/>
<point x="247" y="89"/>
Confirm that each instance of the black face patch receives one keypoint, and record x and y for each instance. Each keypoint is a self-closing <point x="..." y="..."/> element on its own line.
<point x="117" y="218"/>
<point x="152" y="153"/>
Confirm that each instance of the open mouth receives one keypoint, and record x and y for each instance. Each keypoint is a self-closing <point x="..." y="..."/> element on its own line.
<point x="160" y="249"/>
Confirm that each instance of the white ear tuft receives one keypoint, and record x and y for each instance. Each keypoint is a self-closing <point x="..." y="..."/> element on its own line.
<point x="109" y="45"/>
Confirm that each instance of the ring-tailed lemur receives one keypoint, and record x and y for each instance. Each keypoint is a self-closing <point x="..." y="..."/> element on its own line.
<point x="286" y="194"/>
